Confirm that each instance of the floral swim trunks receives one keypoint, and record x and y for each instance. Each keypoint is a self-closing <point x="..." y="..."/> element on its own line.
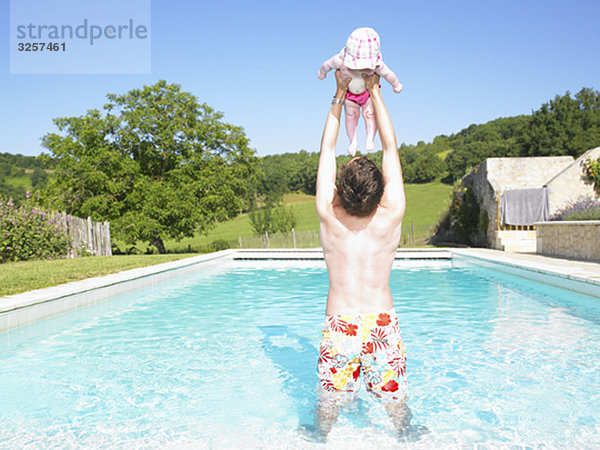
<point x="370" y="342"/>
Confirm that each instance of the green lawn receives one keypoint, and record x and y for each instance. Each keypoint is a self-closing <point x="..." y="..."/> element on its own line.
<point x="424" y="205"/>
<point x="23" y="181"/>
<point x="27" y="275"/>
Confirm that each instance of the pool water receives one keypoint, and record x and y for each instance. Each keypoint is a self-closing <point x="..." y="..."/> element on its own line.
<point x="226" y="357"/>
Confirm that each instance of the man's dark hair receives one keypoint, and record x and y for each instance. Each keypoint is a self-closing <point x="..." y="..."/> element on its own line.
<point x="360" y="186"/>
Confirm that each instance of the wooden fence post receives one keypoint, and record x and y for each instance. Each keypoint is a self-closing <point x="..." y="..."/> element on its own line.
<point x="294" y="237"/>
<point x="108" y="248"/>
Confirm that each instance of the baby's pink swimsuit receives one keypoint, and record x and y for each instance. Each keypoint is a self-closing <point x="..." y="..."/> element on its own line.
<point x="361" y="99"/>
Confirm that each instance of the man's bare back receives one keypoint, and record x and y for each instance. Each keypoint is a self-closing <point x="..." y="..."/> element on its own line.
<point x="359" y="252"/>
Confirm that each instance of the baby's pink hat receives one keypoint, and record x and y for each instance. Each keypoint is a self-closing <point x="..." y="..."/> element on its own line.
<point x="362" y="49"/>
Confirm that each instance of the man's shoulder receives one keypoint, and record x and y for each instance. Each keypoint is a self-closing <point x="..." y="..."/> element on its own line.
<point x="391" y="209"/>
<point x="387" y="218"/>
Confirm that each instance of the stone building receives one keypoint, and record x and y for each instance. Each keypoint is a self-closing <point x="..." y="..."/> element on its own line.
<point x="562" y="177"/>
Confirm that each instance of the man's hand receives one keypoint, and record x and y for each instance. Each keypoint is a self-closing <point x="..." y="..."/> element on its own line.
<point x="371" y="82"/>
<point x="342" y="85"/>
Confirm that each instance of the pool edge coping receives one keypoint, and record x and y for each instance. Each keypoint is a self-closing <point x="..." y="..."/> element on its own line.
<point x="558" y="267"/>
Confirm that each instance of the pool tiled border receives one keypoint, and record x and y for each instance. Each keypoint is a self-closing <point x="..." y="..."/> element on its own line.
<point x="20" y="309"/>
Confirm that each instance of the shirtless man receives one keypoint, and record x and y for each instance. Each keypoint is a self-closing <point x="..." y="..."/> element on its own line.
<point x="360" y="222"/>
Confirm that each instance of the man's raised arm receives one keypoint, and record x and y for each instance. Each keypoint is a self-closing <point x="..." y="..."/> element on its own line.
<point x="393" y="193"/>
<point x="327" y="165"/>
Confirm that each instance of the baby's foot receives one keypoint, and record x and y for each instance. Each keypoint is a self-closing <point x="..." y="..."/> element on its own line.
<point x="369" y="146"/>
<point x="352" y="147"/>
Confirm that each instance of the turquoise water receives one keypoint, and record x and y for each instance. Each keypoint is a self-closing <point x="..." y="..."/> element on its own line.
<point x="226" y="358"/>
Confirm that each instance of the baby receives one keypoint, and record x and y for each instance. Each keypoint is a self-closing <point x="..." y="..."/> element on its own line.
<point x="361" y="57"/>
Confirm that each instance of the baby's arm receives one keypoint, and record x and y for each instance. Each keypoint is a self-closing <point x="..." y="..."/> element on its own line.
<point x="332" y="63"/>
<point x="390" y="77"/>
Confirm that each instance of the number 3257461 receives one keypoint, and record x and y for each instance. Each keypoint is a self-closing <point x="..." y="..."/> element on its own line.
<point x="41" y="46"/>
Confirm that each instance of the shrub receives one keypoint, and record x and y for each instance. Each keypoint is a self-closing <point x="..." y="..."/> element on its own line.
<point x="272" y="220"/>
<point x="26" y="232"/>
<point x="592" y="171"/>
<point x="465" y="222"/>
<point x="39" y="178"/>
<point x="220" y="244"/>
<point x="585" y="208"/>
<point x="261" y="220"/>
<point x="284" y="219"/>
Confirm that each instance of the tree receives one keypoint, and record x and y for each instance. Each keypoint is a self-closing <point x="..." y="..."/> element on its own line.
<point x="39" y="178"/>
<point x="472" y="145"/>
<point x="564" y="126"/>
<point x="156" y="164"/>
<point x="273" y="217"/>
<point x="420" y="163"/>
<point x="288" y="172"/>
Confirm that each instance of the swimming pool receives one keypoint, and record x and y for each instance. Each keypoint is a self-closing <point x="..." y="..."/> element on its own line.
<point x="225" y="357"/>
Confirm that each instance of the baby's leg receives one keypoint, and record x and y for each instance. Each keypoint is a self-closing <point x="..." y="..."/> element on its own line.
<point x="370" y="124"/>
<point x="352" y="114"/>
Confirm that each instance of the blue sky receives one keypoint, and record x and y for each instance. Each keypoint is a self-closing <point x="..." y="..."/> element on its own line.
<point x="461" y="62"/>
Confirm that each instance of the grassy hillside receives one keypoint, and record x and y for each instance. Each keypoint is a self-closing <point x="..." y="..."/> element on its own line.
<point x="23" y="181"/>
<point x="424" y="205"/>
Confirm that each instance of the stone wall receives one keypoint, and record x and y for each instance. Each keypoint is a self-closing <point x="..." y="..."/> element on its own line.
<point x="525" y="172"/>
<point x="563" y="239"/>
<point x="571" y="183"/>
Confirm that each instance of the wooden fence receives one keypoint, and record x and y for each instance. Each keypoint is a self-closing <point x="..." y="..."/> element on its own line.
<point x="87" y="237"/>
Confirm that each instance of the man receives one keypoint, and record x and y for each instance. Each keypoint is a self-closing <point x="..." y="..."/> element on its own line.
<point x="360" y="223"/>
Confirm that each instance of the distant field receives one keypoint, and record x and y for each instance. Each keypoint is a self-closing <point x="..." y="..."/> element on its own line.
<point x="444" y="154"/>
<point x="302" y="205"/>
<point x="23" y="181"/>
<point x="424" y="205"/>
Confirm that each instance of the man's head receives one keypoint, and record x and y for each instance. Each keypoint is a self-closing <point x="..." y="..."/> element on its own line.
<point x="360" y="186"/>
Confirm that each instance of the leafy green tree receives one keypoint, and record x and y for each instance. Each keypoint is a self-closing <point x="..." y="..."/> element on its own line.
<point x="284" y="219"/>
<point x="6" y="169"/>
<point x="288" y="172"/>
<point x="472" y="145"/>
<point x="156" y="164"/>
<point x="420" y="163"/>
<point x="39" y="178"/>
<point x="18" y="160"/>
<point x="564" y="126"/>
<point x="272" y="219"/>
<point x="261" y="220"/>
<point x="7" y="191"/>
